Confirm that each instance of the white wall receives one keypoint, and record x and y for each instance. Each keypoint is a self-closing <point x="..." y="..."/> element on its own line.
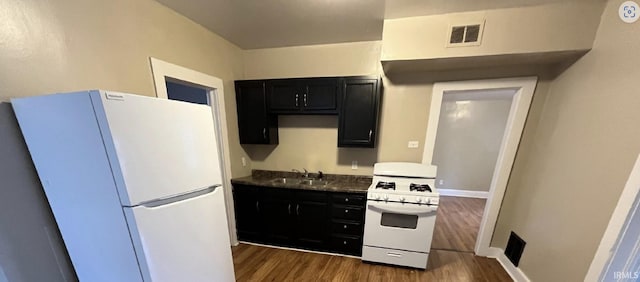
<point x="468" y="140"/>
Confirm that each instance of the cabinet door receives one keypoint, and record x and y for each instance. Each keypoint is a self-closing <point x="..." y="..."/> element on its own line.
<point x="255" y="125"/>
<point x="359" y="112"/>
<point x="320" y="95"/>
<point x="285" y="96"/>
<point x="247" y="207"/>
<point x="312" y="220"/>
<point x="278" y="208"/>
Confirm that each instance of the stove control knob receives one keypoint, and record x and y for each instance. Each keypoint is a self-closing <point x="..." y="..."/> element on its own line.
<point x="386" y="197"/>
<point x="418" y="200"/>
<point x="402" y="199"/>
<point x="427" y="201"/>
<point x="376" y="197"/>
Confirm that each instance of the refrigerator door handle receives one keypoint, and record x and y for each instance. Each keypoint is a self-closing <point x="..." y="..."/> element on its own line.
<point x="180" y="197"/>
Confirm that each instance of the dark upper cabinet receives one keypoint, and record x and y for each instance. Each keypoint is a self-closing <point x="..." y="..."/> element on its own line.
<point x="303" y="96"/>
<point x="255" y="124"/>
<point x="358" y="119"/>
<point x="284" y="95"/>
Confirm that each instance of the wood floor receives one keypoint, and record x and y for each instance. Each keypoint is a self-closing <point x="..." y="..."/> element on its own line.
<point x="457" y="223"/>
<point x="451" y="257"/>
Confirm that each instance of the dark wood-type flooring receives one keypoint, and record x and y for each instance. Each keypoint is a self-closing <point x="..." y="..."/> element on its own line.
<point x="256" y="263"/>
<point x="457" y="223"/>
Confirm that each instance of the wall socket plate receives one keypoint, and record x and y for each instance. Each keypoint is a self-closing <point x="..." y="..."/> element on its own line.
<point x="244" y="161"/>
<point x="413" y="144"/>
<point x="354" y="165"/>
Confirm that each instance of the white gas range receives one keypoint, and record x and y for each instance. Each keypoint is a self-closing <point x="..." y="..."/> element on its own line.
<point x="402" y="202"/>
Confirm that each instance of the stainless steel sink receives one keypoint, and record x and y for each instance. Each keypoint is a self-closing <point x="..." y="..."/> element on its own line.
<point x="314" y="182"/>
<point x="286" y="180"/>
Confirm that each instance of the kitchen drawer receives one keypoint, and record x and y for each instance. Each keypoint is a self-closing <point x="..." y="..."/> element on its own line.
<point x="347" y="227"/>
<point x="347" y="212"/>
<point x="349" y="199"/>
<point x="351" y="245"/>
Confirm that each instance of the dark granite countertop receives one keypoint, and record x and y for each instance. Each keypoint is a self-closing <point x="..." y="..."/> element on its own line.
<point x="336" y="182"/>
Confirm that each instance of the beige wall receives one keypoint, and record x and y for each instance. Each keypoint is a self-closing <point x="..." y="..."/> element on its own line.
<point x="30" y="245"/>
<point x="546" y="28"/>
<point x="572" y="166"/>
<point x="468" y="140"/>
<point x="57" y="46"/>
<point x="311" y="141"/>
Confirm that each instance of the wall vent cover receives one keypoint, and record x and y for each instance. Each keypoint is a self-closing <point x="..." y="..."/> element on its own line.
<point x="465" y="34"/>
<point x="515" y="247"/>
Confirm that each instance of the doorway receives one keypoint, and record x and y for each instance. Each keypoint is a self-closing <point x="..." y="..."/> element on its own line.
<point x="179" y="83"/>
<point x="521" y="92"/>
<point x="468" y="139"/>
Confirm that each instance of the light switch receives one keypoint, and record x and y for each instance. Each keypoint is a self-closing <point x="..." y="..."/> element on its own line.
<point x="413" y="144"/>
<point x="354" y="165"/>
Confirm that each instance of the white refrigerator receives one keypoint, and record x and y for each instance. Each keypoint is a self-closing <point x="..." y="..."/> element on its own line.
<point x="134" y="183"/>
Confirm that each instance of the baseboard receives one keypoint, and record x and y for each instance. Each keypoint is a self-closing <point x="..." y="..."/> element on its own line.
<point x="299" y="250"/>
<point x="463" y="193"/>
<point x="513" y="271"/>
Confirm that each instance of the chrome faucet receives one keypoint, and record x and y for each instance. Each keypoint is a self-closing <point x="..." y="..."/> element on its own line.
<point x="304" y="174"/>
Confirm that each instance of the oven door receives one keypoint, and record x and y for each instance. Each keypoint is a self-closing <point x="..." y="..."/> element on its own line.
<point x="399" y="226"/>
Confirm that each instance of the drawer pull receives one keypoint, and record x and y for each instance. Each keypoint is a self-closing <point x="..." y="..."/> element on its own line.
<point x="395" y="255"/>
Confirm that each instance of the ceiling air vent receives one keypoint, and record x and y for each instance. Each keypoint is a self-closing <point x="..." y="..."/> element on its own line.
<point x="465" y="34"/>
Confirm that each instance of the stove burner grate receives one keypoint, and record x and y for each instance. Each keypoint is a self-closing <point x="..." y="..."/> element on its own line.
<point x="420" y="187"/>
<point x="386" y="185"/>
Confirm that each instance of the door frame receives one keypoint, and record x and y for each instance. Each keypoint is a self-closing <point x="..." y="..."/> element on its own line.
<point x="617" y="226"/>
<point x="163" y="71"/>
<point x="521" y="102"/>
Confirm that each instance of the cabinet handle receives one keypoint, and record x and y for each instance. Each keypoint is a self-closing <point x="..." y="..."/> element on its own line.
<point x="264" y="133"/>
<point x="346" y="199"/>
<point x="297" y="209"/>
<point x="305" y="99"/>
<point x="370" y="132"/>
<point x="346" y="211"/>
<point x="297" y="100"/>
<point x="345" y="227"/>
<point x="258" y="206"/>
<point x="289" y="208"/>
<point x="345" y="242"/>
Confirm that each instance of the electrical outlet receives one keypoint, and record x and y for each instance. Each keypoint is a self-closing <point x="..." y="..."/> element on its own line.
<point x="441" y="182"/>
<point x="354" y="165"/>
<point x="244" y="162"/>
<point x="413" y="144"/>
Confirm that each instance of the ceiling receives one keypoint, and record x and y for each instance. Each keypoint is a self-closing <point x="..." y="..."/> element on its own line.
<point x="253" y="24"/>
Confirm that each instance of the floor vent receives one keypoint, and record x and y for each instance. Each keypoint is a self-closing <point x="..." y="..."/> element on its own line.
<point x="514" y="249"/>
<point x="465" y="34"/>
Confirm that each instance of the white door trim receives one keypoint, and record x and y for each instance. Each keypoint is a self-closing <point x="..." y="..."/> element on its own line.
<point x="524" y="87"/>
<point x="161" y="71"/>
<point x="616" y="224"/>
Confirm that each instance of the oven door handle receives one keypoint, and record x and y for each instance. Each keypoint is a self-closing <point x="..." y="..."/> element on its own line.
<point x="423" y="210"/>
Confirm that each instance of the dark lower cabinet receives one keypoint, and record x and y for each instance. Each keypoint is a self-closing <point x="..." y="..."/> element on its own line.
<point x="248" y="213"/>
<point x="313" y="220"/>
